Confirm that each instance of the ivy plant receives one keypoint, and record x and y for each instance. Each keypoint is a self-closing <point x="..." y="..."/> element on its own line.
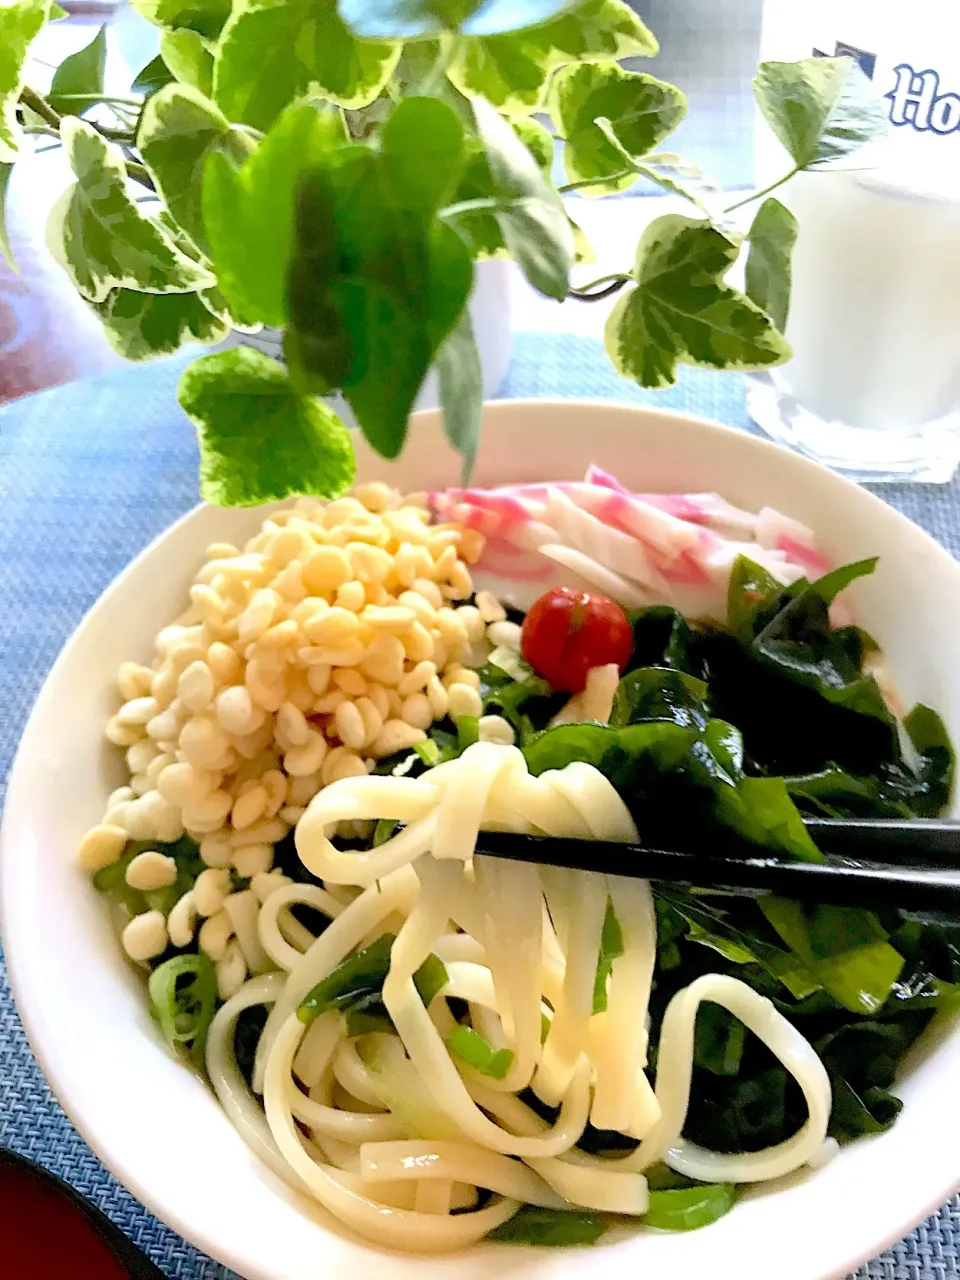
<point x="335" y="169"/>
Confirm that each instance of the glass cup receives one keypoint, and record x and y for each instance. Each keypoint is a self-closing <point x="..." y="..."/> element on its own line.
<point x="873" y="388"/>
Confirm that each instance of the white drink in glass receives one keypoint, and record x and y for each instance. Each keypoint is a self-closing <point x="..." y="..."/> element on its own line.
<point x="874" y="384"/>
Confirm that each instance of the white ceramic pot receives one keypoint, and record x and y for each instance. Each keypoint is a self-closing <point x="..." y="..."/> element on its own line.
<point x="490" y="313"/>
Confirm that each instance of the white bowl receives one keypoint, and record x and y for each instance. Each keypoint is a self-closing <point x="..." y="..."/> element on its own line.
<point x="156" y="1126"/>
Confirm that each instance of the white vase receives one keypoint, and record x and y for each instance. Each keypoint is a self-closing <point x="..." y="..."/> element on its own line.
<point x="489" y="312"/>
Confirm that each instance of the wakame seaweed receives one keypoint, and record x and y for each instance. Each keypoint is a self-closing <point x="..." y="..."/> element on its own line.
<point x="750" y="727"/>
<point x="742" y="1098"/>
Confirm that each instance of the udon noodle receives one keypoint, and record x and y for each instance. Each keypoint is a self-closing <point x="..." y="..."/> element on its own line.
<point x="520" y="945"/>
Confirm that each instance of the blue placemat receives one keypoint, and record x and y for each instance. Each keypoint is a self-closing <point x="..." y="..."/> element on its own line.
<point x="89" y="474"/>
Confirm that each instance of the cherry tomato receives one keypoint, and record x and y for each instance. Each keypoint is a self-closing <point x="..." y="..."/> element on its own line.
<point x="568" y="632"/>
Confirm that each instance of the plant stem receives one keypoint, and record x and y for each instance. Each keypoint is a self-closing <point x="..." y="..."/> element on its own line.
<point x="758" y="195"/>
<point x="583" y="295"/>
<point x="91" y="98"/>
<point x="139" y="174"/>
<point x="41" y="107"/>
<point x="124" y="136"/>
<point x="622" y="276"/>
<point x="597" y="182"/>
<point x="30" y="98"/>
<point x="485" y="204"/>
<point x="433" y="81"/>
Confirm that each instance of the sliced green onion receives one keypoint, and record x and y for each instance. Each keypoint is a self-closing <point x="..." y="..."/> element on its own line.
<point x="660" y="1177"/>
<point x="470" y="1047"/>
<point x="431" y="978"/>
<point x="448" y="747"/>
<point x="611" y="948"/>
<point x="368" y="1015"/>
<point x="428" y="752"/>
<point x="385" y="828"/>
<point x="468" y="731"/>
<point x="357" y="982"/>
<point x="688" y="1208"/>
<point x="358" y="975"/>
<point x="183" y="998"/>
<point x="111" y="880"/>
<point x="553" y="1227"/>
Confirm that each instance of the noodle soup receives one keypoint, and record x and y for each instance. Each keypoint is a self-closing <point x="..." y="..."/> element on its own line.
<point x="440" y="1048"/>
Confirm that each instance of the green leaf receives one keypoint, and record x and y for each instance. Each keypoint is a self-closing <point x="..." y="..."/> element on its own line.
<point x="682" y="312"/>
<point x="665" y="169"/>
<point x="421" y="154"/>
<point x="794" y="637"/>
<point x="179" y="129"/>
<point x="710" y="927"/>
<point x="766" y="815"/>
<point x="470" y="1047"/>
<point x="56" y="13"/>
<point x="152" y="77"/>
<point x="552" y="1228"/>
<point x="140" y="326"/>
<point x="677" y="175"/>
<point x="191" y="62"/>
<point x="377" y="281"/>
<point x="662" y="637"/>
<point x="687" y="1208"/>
<point x="831" y="584"/>
<point x="480" y="228"/>
<point x="751" y="587"/>
<point x="772" y="237"/>
<point x="20" y="23"/>
<point x="513" y="70"/>
<point x="259" y="440"/>
<point x="80" y="73"/>
<point x="624" y="756"/>
<point x="461" y="392"/>
<point x="843" y="947"/>
<point x="821" y="109"/>
<point x="206" y="17"/>
<point x="254" y="205"/>
<point x="719" y="1040"/>
<point x="936" y="759"/>
<point x="98" y="234"/>
<point x="274" y="51"/>
<point x="660" y="693"/>
<point x="6" y="172"/>
<point x="638" y="111"/>
<point x="533" y="222"/>
<point x="854" y="1114"/>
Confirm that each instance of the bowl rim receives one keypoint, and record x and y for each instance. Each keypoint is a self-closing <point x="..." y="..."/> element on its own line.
<point x="59" y="1081"/>
<point x="134" y="1261"/>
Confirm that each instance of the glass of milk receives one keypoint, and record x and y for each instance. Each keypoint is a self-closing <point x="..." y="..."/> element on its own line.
<point x="873" y="388"/>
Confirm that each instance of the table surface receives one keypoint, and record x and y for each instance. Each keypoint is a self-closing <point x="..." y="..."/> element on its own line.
<point x="119" y="432"/>
<point x="121" y="436"/>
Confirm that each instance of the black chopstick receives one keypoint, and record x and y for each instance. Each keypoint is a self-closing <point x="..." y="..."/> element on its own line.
<point x="918" y="841"/>
<point x="933" y="892"/>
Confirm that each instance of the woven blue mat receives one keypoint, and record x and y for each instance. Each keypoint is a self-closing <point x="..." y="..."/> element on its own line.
<point x="89" y="474"/>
